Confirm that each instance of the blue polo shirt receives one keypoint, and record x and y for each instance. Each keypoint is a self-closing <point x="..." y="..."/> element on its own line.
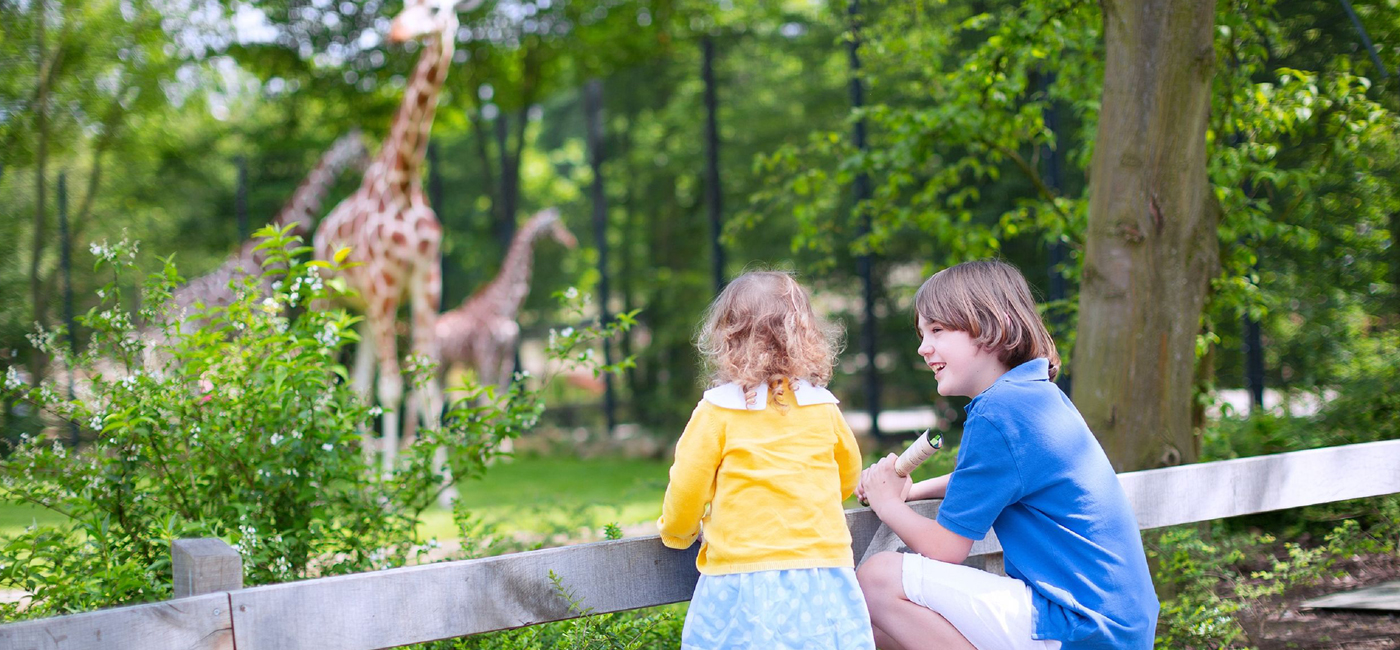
<point x="1029" y="467"/>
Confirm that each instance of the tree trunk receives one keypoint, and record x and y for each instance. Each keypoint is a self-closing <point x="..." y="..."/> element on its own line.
<point x="1152" y="245"/>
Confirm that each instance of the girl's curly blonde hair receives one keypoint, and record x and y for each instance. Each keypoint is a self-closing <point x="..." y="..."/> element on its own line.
<point x="762" y="329"/>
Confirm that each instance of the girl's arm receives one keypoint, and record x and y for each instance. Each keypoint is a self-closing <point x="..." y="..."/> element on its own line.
<point x="847" y="454"/>
<point x="692" y="485"/>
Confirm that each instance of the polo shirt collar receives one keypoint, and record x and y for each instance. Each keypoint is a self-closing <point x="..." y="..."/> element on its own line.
<point x="1033" y="370"/>
<point x="731" y="396"/>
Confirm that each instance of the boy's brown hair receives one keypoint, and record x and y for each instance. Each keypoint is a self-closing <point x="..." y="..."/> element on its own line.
<point x="762" y="329"/>
<point x="991" y="301"/>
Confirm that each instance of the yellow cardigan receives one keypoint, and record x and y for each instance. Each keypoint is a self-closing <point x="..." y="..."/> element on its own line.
<point x="774" y="478"/>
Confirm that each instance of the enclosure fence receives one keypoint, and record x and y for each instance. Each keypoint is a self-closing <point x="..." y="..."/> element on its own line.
<point x="382" y="609"/>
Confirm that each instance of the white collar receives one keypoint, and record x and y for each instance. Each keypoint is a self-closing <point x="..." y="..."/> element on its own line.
<point x="731" y="396"/>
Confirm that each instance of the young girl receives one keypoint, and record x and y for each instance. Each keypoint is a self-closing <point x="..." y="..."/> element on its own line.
<point x="1028" y="466"/>
<point x="770" y="454"/>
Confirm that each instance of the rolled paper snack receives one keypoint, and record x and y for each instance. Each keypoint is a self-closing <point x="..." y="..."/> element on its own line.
<point x="917" y="453"/>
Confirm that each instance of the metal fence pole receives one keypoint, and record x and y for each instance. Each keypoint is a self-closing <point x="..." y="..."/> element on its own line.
<point x="713" y="194"/>
<point x="593" y="110"/>
<point x="865" y="265"/>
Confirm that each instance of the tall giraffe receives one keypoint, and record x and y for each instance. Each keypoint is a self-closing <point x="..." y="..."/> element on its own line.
<point x="391" y="231"/>
<point x="299" y="211"/>
<point x="482" y="332"/>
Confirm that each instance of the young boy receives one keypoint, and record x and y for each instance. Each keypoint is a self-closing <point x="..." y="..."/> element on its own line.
<point x="1028" y="466"/>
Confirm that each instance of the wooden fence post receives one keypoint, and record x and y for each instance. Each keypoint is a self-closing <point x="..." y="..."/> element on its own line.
<point x="205" y="565"/>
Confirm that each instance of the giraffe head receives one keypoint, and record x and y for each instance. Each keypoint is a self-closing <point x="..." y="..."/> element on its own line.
<point x="421" y="18"/>
<point x="548" y="221"/>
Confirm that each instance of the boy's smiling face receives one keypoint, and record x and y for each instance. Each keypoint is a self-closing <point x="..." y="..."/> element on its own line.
<point x="960" y="366"/>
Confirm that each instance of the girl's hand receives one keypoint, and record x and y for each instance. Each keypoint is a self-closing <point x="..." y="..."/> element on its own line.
<point x="881" y="486"/>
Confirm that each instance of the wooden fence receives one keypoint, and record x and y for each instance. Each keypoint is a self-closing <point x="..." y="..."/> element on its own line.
<point x="383" y="609"/>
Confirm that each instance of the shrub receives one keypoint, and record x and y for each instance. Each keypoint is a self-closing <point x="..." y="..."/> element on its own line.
<point x="244" y="428"/>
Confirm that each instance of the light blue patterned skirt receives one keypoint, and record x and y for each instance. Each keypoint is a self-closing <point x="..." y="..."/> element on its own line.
<point x="792" y="609"/>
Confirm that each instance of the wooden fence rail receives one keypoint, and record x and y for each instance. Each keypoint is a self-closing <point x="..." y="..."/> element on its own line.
<point x="383" y="609"/>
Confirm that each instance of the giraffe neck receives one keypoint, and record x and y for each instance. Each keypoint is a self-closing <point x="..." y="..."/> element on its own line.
<point x="507" y="291"/>
<point x="301" y="210"/>
<point x="401" y="159"/>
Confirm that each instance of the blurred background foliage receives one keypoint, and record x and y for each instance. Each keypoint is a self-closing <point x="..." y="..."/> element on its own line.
<point x="151" y="110"/>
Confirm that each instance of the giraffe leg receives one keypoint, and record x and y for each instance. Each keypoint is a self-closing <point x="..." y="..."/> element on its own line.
<point x="505" y="375"/>
<point x="390" y="384"/>
<point x="426" y="292"/>
<point x="361" y="379"/>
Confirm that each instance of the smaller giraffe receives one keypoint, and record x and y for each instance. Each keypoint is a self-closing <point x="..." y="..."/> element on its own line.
<point x="482" y="332"/>
<point x="300" y="211"/>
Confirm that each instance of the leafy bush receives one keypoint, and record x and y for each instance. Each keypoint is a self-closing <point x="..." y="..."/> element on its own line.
<point x="1206" y="583"/>
<point x="244" y="428"/>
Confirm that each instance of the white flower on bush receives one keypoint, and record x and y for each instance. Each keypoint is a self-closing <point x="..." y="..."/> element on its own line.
<point x="571" y="293"/>
<point x="329" y="335"/>
<point x="375" y="411"/>
<point x="12" y="379"/>
<point x="42" y="339"/>
<point x="327" y="447"/>
<point x="101" y="250"/>
<point x="276" y="438"/>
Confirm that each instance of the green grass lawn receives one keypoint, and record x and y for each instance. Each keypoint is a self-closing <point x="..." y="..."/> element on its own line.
<point x="546" y="495"/>
<point x="14" y="517"/>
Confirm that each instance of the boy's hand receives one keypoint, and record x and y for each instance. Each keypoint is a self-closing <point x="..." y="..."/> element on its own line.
<point x="879" y="485"/>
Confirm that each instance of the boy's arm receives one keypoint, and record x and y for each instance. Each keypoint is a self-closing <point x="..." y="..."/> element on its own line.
<point x="692" y="484"/>
<point x="924" y="536"/>
<point x="934" y="488"/>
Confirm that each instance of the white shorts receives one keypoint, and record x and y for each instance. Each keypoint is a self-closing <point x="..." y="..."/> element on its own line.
<point x="992" y="611"/>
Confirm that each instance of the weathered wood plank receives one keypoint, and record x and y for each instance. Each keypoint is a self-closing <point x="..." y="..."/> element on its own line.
<point x="204" y="566"/>
<point x="1384" y="597"/>
<point x="198" y="623"/>
<point x="1230" y="488"/>
<point x="449" y="599"/>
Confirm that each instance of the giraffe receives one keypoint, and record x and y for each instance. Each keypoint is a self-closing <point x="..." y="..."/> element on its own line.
<point x="393" y="234"/>
<point x="482" y="332"/>
<point x="300" y="211"/>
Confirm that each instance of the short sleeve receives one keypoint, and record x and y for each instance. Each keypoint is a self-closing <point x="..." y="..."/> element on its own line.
<point x="848" y="459"/>
<point x="985" y="481"/>
<point x="692" y="486"/>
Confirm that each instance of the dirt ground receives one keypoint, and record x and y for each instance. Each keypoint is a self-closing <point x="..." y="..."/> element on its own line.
<point x="1279" y="623"/>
